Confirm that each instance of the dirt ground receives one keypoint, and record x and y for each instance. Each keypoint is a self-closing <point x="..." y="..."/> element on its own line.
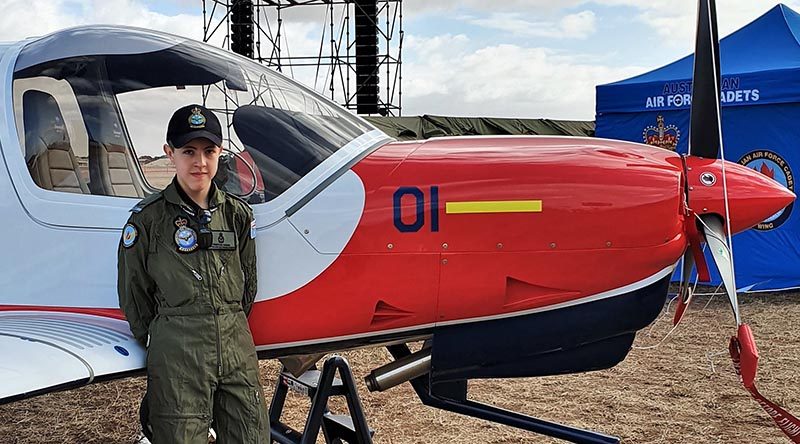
<point x="682" y="391"/>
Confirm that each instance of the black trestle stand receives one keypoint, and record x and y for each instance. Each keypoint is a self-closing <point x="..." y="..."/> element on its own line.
<point x="319" y="386"/>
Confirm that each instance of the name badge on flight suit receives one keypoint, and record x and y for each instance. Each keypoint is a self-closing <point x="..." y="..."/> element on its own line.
<point x="222" y="240"/>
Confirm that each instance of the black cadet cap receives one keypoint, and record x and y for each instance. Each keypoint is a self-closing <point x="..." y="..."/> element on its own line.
<point x="191" y="122"/>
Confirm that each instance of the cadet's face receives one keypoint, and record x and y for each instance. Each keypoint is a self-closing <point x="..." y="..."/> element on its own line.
<point x="195" y="164"/>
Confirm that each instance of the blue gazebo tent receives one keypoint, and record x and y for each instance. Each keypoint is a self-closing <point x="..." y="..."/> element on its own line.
<point x="761" y="129"/>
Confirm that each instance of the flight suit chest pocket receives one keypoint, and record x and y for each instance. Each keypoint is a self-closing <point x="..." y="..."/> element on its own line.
<point x="231" y="278"/>
<point x="177" y="278"/>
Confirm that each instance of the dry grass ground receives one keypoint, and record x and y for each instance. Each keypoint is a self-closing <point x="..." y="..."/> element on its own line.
<point x="160" y="174"/>
<point x="683" y="391"/>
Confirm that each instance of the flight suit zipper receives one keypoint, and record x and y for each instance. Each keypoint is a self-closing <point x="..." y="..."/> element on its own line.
<point x="219" y="348"/>
<point x="195" y="273"/>
<point x="216" y="322"/>
<point x="215" y="307"/>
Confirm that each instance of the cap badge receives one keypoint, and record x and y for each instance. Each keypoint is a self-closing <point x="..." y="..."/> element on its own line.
<point x="197" y="119"/>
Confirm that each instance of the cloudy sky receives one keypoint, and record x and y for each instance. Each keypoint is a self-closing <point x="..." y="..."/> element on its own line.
<point x="512" y="58"/>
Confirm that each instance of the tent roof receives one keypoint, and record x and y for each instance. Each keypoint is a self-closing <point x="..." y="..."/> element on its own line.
<point x="770" y="43"/>
<point x="423" y="127"/>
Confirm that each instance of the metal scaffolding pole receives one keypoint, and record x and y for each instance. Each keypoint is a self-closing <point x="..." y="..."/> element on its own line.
<point x="360" y="74"/>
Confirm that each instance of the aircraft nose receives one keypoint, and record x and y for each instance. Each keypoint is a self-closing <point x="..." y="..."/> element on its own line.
<point x="753" y="196"/>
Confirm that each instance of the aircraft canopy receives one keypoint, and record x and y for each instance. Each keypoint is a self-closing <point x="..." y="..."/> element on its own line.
<point x="91" y="90"/>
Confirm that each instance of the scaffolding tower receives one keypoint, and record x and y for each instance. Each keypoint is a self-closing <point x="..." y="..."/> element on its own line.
<point x="357" y="61"/>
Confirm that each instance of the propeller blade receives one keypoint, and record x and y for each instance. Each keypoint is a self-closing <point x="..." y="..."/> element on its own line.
<point x="715" y="238"/>
<point x="695" y="240"/>
<point x="704" y="126"/>
<point x="685" y="290"/>
<point x="745" y="355"/>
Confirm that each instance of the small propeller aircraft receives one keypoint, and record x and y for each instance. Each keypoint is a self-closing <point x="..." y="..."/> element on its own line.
<point x="506" y="255"/>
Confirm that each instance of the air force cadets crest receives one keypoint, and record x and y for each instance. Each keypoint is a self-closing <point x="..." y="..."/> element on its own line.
<point x="129" y="235"/>
<point x="772" y="165"/>
<point x="185" y="237"/>
<point x="197" y="119"/>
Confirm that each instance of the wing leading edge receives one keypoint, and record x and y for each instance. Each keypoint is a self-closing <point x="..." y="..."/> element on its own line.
<point x="51" y="351"/>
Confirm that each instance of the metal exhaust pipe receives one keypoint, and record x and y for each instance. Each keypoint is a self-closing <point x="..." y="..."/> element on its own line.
<point x="399" y="371"/>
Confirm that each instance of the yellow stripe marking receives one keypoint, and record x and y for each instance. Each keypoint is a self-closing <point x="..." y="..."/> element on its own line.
<point x="500" y="206"/>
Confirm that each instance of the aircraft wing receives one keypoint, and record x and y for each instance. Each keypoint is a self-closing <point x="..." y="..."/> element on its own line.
<point x="45" y="351"/>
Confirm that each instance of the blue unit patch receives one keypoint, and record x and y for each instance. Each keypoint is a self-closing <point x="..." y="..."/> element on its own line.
<point x="129" y="235"/>
<point x="185" y="239"/>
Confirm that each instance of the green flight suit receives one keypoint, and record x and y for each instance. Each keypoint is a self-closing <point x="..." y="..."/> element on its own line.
<point x="188" y="305"/>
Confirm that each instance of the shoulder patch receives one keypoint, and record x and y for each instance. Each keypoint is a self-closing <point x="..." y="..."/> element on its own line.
<point x="129" y="235"/>
<point x="146" y="201"/>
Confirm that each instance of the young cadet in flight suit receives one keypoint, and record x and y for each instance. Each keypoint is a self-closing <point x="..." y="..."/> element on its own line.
<point x="186" y="283"/>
